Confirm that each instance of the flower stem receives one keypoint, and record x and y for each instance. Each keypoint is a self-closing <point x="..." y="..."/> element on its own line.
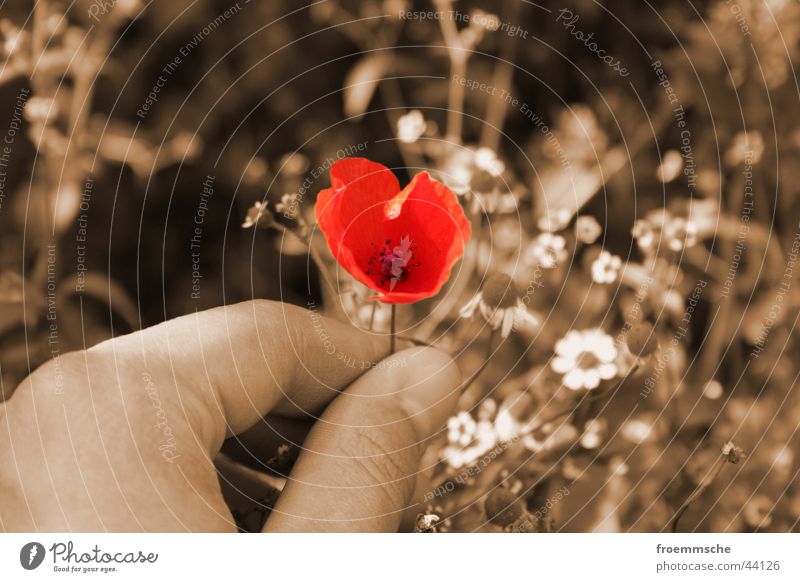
<point x="712" y="474"/>
<point x="458" y="69"/>
<point x="730" y="454"/>
<point x="585" y="399"/>
<point x="393" y="332"/>
<point x="497" y="105"/>
<point x="372" y="316"/>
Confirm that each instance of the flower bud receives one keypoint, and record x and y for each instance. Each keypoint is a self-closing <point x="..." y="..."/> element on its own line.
<point x="500" y="291"/>
<point x="642" y="340"/>
<point x="502" y="507"/>
<point x="733" y="453"/>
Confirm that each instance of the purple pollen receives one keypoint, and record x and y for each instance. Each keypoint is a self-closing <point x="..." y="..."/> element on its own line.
<point x="394" y="262"/>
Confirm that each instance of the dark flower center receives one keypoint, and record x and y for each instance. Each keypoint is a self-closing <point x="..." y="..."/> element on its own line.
<point x="587" y="361"/>
<point x="393" y="262"/>
<point x="499" y="290"/>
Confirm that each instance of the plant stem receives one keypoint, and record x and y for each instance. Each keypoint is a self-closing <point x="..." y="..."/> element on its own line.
<point x="712" y="474"/>
<point x="458" y="67"/>
<point x="497" y="106"/>
<point x="585" y="399"/>
<point x="372" y="316"/>
<point x="455" y="99"/>
<point x="393" y="332"/>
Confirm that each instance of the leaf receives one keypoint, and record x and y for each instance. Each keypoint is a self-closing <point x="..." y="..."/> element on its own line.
<point x="361" y="83"/>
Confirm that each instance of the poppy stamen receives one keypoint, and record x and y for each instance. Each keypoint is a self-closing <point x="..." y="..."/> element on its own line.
<point x="393" y="262"/>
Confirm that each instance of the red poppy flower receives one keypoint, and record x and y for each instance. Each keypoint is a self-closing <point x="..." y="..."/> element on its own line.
<point x="401" y="243"/>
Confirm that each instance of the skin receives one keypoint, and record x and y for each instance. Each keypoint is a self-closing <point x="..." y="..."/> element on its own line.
<point x="123" y="436"/>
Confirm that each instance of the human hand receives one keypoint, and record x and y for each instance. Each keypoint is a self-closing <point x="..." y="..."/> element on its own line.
<point x="123" y="436"/>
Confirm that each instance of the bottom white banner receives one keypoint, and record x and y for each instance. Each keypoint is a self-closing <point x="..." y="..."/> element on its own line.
<point x="619" y="557"/>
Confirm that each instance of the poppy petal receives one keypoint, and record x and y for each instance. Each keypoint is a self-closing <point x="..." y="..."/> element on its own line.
<point x="430" y="213"/>
<point x="348" y="213"/>
<point x="402" y="244"/>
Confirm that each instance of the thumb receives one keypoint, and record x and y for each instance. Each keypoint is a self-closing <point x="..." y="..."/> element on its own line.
<point x="360" y="461"/>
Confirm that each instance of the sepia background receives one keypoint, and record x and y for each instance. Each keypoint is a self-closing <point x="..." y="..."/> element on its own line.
<point x="626" y="163"/>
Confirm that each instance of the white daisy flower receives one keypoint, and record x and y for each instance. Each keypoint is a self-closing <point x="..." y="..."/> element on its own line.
<point x="468" y="439"/>
<point x="547" y="250"/>
<point x="587" y="229"/>
<point x="605" y="268"/>
<point x="411" y="126"/>
<point x="461" y="428"/>
<point x="584" y="358"/>
<point x="500" y="305"/>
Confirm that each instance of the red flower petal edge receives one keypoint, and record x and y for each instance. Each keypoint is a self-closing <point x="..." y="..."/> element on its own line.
<point x="400" y="243"/>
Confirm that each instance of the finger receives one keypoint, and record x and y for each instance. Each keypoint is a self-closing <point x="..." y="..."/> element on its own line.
<point x="359" y="464"/>
<point x="121" y="436"/>
<point x="241" y="361"/>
